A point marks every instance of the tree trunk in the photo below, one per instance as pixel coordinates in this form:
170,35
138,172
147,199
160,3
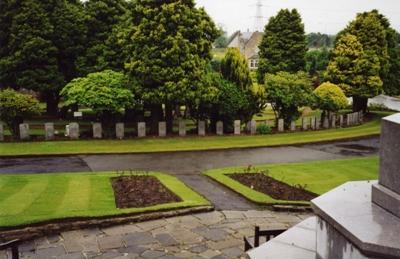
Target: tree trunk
52,100
169,117
360,104
156,115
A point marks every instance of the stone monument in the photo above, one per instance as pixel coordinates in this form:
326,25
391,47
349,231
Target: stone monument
141,129
49,131
201,128
304,123
333,121
1,132
162,129
182,128
358,220
74,130
97,131
237,130
220,128
293,126
281,125
120,130
326,123
24,131
252,127
312,123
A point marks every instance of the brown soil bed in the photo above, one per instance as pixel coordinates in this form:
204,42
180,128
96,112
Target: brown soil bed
276,189
141,191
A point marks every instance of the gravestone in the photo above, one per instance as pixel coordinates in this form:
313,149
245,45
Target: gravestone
237,130
312,123
120,130
97,131
304,123
162,129
182,128
333,123
348,120
142,129
293,126
356,118
361,116
253,127
317,123
74,130
281,125
49,131
202,128
326,123
1,132
24,131
341,121
220,128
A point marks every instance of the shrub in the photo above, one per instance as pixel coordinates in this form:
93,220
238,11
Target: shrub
15,107
264,129
330,97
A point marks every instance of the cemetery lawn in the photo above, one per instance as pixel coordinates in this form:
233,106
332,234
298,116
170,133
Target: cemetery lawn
318,177
27,199
190,143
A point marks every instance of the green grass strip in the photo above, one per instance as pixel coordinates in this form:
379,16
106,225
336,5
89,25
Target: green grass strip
27,199
188,143
318,177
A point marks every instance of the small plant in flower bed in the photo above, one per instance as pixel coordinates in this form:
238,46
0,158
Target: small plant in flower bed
261,181
264,129
136,189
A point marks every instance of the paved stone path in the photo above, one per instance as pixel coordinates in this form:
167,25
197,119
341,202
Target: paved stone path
207,235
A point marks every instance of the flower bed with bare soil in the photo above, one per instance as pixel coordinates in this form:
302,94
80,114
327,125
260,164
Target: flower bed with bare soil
141,191
275,189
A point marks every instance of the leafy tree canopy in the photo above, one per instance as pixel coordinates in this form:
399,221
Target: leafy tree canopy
284,45
288,92
15,107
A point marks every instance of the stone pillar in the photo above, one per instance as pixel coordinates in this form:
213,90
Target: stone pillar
341,120
120,130
220,128
97,130
162,129
387,192
253,127
201,128
348,120
49,131
237,125
24,131
281,125
326,123
293,126
1,132
333,121
304,123
182,128
74,130
317,123
142,129
312,123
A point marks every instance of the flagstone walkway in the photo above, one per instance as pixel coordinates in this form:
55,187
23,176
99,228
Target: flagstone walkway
217,234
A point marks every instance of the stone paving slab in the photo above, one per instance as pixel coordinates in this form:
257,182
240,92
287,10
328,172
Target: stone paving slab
217,234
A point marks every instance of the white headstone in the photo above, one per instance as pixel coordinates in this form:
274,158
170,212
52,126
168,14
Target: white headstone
49,131
237,130
97,131
201,128
304,123
24,131
162,129
142,129
253,127
74,130
317,123
281,125
120,130
326,122
182,128
341,120
293,126
333,121
220,128
312,123
1,132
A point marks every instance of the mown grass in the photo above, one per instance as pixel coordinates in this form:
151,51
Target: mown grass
188,143
27,199
318,177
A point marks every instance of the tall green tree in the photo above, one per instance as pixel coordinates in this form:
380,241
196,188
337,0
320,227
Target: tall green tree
102,17
171,44
284,45
356,71
40,42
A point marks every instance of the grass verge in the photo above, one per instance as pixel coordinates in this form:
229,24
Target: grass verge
187,144
318,177
28,199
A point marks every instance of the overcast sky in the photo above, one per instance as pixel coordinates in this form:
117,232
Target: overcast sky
326,16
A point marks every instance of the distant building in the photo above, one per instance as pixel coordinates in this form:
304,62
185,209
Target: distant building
247,43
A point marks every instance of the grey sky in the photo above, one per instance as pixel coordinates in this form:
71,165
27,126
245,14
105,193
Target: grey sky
318,15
